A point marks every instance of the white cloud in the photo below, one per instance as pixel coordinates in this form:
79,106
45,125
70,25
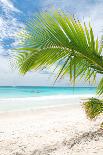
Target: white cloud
9,27
8,6
8,24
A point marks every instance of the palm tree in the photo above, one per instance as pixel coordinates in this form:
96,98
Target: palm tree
54,37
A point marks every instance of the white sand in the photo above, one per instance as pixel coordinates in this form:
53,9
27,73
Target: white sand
59,130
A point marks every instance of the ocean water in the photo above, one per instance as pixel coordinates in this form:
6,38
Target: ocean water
27,98
32,91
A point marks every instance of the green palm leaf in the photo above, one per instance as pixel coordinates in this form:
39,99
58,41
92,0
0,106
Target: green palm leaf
50,38
100,87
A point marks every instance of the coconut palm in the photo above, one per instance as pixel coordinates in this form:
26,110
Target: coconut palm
56,38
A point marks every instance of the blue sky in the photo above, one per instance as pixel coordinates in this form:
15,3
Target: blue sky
14,14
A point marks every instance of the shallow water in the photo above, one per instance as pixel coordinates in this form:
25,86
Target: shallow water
32,91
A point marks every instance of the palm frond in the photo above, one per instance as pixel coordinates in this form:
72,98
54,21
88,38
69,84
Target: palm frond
52,37
100,87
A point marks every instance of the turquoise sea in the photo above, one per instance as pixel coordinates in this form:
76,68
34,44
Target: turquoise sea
32,91
21,98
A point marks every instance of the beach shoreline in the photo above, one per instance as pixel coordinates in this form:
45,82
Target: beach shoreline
29,103
55,130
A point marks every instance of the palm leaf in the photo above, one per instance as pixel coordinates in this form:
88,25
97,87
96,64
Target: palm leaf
50,38
100,87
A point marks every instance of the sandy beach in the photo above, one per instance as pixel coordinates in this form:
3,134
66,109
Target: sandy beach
51,130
